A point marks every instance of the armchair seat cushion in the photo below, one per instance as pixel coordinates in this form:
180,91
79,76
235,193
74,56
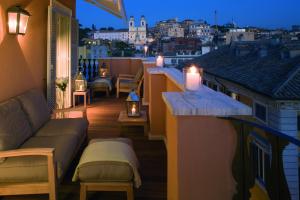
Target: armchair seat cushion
34,168
128,84
71,126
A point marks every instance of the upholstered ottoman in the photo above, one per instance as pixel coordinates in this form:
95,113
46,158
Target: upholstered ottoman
108,165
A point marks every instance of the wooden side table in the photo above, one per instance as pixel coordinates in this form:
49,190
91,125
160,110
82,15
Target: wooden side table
124,120
85,94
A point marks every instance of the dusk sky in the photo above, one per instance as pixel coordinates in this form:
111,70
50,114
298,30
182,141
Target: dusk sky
261,13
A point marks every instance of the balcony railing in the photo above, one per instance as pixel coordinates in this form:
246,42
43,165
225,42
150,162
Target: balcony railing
89,68
264,160
212,152
116,66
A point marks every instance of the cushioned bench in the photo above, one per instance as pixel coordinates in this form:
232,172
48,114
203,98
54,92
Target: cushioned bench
35,150
108,165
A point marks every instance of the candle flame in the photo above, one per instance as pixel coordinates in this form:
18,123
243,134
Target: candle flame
193,69
133,109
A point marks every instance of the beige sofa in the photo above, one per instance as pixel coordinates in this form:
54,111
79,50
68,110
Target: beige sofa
35,150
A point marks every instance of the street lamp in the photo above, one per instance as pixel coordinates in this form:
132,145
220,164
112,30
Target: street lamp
146,50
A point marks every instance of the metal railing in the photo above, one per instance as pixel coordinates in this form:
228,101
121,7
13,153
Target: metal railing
89,68
264,159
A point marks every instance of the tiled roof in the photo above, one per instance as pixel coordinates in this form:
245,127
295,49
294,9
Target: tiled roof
243,64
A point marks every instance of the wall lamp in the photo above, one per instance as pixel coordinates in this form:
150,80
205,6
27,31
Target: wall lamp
17,20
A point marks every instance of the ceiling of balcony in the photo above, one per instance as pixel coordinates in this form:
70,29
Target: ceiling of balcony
115,7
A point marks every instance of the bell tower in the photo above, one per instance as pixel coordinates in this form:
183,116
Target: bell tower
131,30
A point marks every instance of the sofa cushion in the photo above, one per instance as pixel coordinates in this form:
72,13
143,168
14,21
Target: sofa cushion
34,168
72,126
14,125
36,108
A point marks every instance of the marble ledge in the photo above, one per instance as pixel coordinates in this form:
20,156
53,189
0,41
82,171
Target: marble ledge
173,74
205,102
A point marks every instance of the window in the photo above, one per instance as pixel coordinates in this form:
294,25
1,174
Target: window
260,153
260,112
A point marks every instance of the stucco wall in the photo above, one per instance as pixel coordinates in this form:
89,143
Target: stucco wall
23,59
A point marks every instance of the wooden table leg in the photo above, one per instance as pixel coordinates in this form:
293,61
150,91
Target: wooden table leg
146,129
85,97
74,100
130,193
82,192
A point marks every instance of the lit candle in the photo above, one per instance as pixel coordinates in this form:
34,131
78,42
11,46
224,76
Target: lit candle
81,87
160,61
133,109
193,79
103,73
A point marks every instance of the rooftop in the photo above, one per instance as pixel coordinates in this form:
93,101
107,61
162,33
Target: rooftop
245,64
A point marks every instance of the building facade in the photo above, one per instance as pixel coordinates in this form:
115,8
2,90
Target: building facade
264,76
137,35
176,31
120,35
239,35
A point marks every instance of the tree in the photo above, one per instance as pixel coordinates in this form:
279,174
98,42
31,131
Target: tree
83,33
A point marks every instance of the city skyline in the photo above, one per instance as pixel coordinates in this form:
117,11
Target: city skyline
280,14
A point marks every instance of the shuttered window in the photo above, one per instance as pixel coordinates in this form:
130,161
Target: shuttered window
260,112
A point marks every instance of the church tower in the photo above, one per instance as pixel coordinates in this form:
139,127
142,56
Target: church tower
131,30
143,30
137,34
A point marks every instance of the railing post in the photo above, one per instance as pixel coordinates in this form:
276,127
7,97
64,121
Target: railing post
89,70
79,65
94,69
84,67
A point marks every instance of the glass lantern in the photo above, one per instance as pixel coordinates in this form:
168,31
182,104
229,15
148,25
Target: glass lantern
80,83
103,71
17,20
192,77
133,105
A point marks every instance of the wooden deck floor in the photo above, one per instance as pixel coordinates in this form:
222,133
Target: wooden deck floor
103,114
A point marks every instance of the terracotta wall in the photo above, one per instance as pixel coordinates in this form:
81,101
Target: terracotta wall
200,154
147,65
23,59
123,65
159,83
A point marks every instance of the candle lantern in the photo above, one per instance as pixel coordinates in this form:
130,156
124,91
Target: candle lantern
103,71
17,20
192,76
80,83
133,105
160,61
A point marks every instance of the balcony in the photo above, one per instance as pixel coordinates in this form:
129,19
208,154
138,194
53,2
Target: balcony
206,147
202,146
